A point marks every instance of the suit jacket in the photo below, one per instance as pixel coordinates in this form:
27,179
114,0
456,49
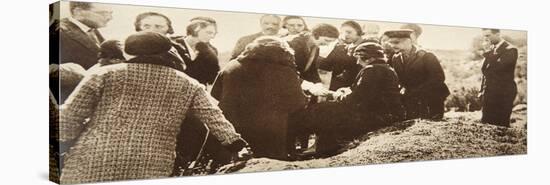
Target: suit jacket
242,42
499,67
421,75
75,46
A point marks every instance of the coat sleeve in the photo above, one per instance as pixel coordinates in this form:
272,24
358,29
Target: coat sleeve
217,87
507,60
79,106
435,77
206,112
239,48
366,90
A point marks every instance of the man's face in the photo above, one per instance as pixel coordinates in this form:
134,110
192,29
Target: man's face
270,25
384,41
349,35
207,34
96,17
400,44
323,41
493,38
154,24
295,26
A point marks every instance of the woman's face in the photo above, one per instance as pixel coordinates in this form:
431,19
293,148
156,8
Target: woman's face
206,34
154,24
295,26
349,35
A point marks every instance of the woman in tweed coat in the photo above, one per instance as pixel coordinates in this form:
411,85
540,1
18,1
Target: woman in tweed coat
125,118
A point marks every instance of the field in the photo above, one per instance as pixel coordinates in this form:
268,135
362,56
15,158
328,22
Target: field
460,135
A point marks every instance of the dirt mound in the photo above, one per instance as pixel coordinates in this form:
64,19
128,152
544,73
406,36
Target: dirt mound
460,135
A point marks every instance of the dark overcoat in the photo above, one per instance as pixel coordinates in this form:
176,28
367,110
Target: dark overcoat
258,95
499,88
423,78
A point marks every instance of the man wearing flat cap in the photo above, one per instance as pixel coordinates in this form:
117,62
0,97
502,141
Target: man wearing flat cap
420,75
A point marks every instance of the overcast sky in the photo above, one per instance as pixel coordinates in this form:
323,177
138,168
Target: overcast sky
233,25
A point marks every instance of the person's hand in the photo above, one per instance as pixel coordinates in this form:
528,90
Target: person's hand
344,90
315,89
319,90
245,154
402,91
341,93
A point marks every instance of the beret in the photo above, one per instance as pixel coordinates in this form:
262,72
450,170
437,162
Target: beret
147,43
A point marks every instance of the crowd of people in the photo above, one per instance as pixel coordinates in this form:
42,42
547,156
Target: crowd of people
140,108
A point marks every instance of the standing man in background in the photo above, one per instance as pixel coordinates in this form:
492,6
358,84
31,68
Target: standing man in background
498,87
79,37
270,24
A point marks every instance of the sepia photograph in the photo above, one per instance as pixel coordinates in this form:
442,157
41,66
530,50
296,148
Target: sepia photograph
148,92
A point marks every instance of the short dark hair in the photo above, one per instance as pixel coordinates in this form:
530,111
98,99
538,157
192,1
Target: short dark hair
294,17
356,26
493,30
192,29
325,30
202,18
81,5
142,16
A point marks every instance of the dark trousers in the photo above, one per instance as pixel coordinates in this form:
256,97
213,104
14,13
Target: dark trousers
497,106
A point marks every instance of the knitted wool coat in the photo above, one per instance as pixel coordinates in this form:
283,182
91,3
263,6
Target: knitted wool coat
125,119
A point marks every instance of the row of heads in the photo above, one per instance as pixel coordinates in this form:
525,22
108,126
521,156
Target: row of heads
97,15
152,43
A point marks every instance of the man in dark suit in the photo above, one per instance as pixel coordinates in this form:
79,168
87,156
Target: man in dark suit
420,75
79,38
498,87
79,41
271,24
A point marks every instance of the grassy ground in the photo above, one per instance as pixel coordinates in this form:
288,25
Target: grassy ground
459,136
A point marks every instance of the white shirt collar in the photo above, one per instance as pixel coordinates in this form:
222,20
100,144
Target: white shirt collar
80,25
191,51
499,44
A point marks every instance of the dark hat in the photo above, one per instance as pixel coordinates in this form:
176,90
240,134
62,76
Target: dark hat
147,43
369,49
400,33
